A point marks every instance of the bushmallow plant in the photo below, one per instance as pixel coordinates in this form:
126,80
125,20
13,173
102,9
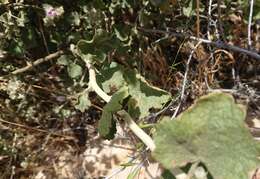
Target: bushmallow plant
52,14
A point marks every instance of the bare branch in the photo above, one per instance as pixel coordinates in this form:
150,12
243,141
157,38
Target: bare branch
185,80
215,43
38,62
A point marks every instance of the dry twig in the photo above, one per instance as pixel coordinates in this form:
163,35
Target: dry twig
36,129
185,80
215,43
198,17
38,62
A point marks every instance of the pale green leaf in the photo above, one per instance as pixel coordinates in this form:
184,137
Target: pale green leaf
144,96
74,18
188,10
74,70
99,56
213,132
89,51
83,102
64,60
111,78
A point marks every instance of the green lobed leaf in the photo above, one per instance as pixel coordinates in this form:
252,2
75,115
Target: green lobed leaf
84,47
107,125
74,18
93,51
189,9
111,78
101,36
83,102
144,96
74,70
213,132
64,60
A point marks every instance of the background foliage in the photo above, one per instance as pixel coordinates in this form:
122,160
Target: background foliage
118,38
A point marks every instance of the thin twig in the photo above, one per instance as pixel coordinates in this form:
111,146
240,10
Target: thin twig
19,5
215,43
185,81
145,138
175,99
220,24
198,17
249,41
36,129
43,36
38,62
209,19
209,38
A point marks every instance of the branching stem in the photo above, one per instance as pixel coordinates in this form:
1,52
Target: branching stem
145,138
218,44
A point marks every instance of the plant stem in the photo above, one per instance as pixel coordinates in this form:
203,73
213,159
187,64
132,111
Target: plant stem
249,41
145,138
38,62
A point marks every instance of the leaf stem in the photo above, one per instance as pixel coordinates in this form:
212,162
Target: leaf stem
93,83
249,41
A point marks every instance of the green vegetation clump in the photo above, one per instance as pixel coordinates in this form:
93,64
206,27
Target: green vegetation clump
74,70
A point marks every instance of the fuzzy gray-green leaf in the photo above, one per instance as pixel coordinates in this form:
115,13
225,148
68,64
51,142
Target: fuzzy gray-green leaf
212,132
